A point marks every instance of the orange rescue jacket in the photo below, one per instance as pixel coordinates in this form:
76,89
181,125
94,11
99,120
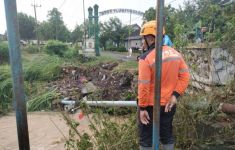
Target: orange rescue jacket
175,76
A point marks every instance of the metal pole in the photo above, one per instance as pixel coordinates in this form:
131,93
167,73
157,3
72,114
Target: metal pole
16,69
112,103
35,15
129,32
158,71
84,17
96,19
121,103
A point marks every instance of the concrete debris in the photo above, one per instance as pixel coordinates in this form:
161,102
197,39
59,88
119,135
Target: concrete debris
201,86
210,67
222,66
89,88
109,66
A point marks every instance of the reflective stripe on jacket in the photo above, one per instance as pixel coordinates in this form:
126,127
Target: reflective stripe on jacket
175,76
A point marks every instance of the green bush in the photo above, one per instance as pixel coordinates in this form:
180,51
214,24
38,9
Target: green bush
71,53
107,132
44,69
118,49
54,47
121,49
42,101
4,53
31,49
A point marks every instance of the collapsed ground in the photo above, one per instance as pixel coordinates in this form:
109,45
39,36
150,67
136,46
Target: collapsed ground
100,79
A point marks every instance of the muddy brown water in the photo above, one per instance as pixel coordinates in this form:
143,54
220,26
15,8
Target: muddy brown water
46,131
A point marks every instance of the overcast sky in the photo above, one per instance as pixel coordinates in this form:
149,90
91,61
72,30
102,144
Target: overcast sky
72,10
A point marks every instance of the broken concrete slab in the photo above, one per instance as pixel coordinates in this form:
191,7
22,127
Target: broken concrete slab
222,67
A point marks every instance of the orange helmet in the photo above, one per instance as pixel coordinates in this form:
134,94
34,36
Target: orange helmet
149,28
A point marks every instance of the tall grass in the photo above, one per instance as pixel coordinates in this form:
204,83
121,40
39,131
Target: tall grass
107,132
97,60
127,65
42,101
43,69
199,124
40,70
4,53
5,88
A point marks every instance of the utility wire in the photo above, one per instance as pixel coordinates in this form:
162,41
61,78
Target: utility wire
171,2
62,4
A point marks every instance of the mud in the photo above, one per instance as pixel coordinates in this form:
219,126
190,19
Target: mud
47,131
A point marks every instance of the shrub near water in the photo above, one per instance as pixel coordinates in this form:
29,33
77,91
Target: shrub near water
4,53
71,53
43,69
54,47
43,101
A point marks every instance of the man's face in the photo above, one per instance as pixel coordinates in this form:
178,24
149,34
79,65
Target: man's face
144,45
150,39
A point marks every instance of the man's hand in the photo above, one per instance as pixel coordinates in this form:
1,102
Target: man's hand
144,117
170,104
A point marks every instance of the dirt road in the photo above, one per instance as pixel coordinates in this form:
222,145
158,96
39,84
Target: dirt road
43,134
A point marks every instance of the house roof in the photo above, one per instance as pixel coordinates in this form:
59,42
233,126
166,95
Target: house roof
135,34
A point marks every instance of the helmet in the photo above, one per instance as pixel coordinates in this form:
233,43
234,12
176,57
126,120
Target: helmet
150,28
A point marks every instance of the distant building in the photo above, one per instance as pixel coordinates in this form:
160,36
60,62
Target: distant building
134,40
3,37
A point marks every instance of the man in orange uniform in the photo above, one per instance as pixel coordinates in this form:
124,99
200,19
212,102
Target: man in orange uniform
175,79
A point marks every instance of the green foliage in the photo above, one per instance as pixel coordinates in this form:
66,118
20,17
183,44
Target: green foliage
217,18
198,123
107,133
31,49
114,31
118,49
43,69
150,14
77,34
73,143
5,88
71,53
42,101
181,40
230,26
127,65
6,92
4,53
54,47
27,26
54,27
91,62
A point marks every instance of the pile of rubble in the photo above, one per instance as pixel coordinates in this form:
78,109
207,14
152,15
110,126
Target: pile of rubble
100,81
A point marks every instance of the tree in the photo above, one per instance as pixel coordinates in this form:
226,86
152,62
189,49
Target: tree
150,14
27,26
217,18
54,28
114,31
169,18
104,36
77,34
45,31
